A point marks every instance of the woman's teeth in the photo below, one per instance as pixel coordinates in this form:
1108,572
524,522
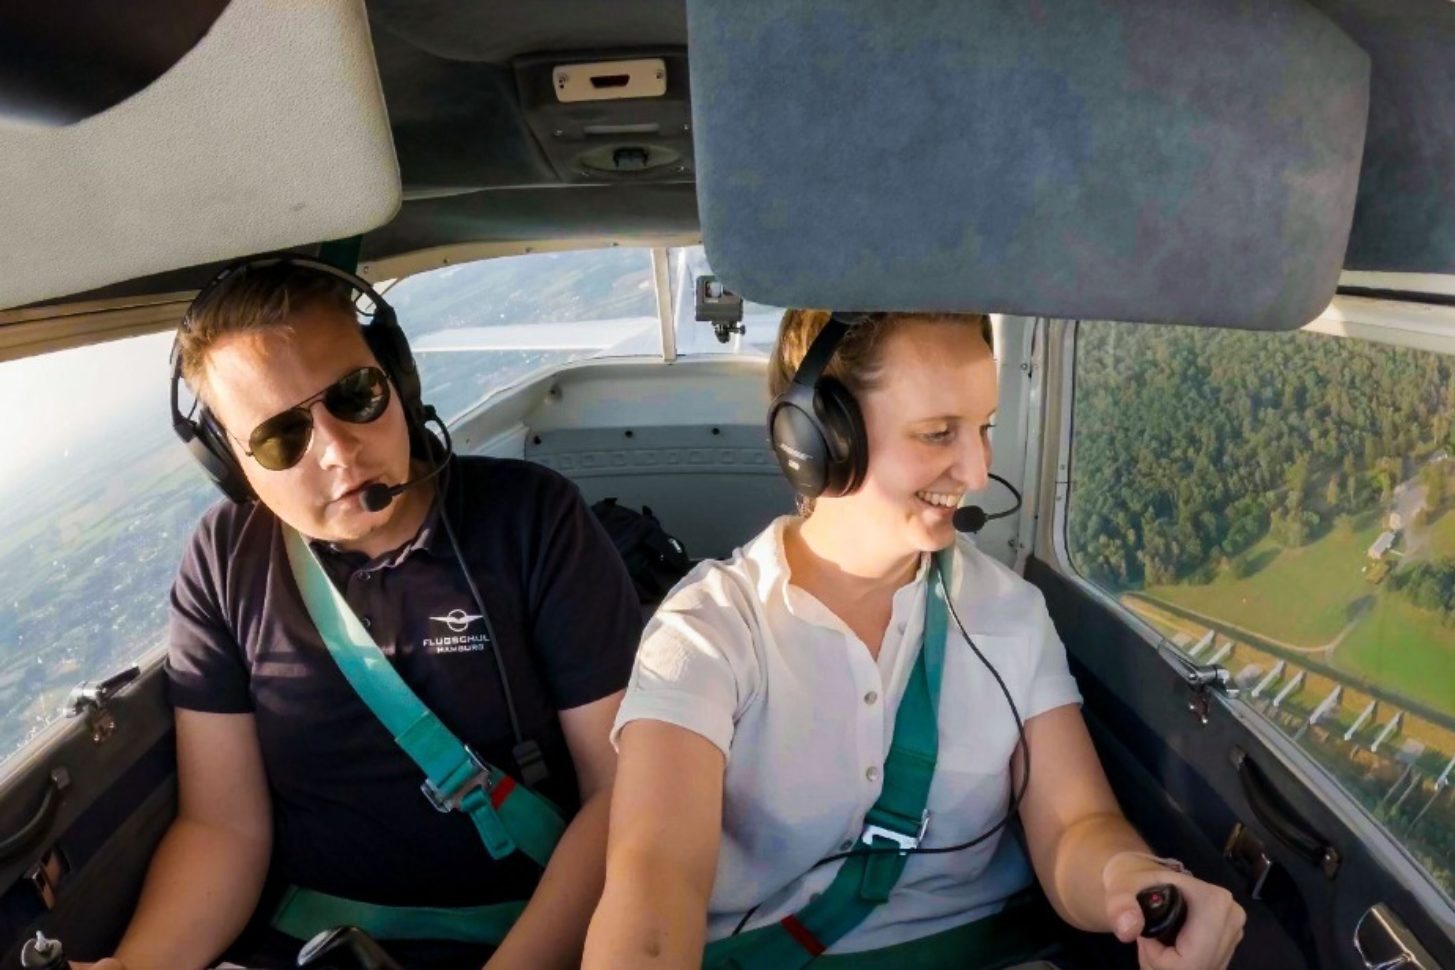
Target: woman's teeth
942,499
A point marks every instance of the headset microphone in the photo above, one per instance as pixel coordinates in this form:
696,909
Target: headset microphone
972,518
376,497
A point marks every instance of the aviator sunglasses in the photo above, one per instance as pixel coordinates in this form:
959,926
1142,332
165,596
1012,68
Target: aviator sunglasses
358,397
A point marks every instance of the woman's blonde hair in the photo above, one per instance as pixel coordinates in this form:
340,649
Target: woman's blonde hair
858,361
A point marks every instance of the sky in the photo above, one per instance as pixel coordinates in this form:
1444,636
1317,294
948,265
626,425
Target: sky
69,399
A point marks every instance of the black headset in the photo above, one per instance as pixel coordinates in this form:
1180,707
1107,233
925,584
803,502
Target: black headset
204,436
816,426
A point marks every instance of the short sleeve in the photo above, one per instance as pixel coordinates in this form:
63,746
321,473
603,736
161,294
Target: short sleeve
206,669
1051,683
690,668
585,613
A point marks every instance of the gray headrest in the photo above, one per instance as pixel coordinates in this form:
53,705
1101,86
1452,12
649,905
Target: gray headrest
1190,162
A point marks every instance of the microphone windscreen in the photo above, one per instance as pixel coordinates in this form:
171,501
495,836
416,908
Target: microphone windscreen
376,497
969,518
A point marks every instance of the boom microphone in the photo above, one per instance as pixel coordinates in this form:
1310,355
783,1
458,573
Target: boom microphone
972,518
376,497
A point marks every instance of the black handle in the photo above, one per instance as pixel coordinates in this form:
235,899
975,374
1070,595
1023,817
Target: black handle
1163,913
39,824
1279,818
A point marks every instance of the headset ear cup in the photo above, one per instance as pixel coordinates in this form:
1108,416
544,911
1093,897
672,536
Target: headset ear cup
209,446
391,350
847,441
798,443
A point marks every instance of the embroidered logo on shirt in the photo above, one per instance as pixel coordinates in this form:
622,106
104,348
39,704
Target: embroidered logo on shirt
458,621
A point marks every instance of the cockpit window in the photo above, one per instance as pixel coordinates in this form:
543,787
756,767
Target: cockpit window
478,327
97,499
1283,505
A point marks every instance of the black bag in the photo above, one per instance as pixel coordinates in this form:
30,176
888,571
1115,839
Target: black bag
655,560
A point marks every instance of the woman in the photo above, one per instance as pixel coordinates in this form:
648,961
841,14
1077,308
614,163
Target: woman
759,805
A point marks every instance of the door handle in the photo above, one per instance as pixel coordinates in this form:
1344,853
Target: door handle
36,827
1280,818
1385,943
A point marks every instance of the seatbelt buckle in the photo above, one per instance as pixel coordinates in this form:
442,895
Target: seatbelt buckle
445,803
905,842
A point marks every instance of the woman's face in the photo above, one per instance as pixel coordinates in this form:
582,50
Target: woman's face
928,424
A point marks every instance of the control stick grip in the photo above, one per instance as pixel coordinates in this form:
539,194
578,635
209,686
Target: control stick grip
1163,913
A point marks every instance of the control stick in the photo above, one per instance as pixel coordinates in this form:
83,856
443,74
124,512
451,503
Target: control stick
1163,913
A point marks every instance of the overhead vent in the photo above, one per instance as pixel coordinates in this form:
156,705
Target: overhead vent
271,132
619,119
1192,162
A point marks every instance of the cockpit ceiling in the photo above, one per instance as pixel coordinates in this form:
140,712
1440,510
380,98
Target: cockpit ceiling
479,161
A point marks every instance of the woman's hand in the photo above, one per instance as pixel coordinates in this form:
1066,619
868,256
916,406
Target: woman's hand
1214,920
109,963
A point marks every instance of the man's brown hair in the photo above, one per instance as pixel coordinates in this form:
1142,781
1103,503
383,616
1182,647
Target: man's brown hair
253,298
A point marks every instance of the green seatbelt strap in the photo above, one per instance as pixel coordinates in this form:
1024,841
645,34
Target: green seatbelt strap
899,818
507,816
306,912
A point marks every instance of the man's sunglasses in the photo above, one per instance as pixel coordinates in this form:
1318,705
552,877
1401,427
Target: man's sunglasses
281,441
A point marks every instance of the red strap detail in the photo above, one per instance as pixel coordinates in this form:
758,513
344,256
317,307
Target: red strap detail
502,791
802,936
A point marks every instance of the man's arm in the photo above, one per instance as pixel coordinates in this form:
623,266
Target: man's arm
666,827
208,871
551,931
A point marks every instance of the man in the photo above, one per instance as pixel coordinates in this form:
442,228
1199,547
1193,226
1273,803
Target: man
289,781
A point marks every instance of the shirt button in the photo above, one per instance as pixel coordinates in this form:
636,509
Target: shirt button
871,697
368,623
872,773
901,626
846,845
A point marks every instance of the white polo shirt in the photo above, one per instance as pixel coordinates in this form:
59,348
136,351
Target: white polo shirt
805,716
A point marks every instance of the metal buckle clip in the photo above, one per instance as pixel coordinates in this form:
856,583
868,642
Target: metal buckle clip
905,842
444,803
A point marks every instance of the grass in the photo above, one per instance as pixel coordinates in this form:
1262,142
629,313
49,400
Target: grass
1301,596
1405,649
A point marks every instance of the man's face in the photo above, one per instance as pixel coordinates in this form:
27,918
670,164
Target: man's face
251,377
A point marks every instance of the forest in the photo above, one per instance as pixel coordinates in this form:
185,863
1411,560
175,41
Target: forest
1191,445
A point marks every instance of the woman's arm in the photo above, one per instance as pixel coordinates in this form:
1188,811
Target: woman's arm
552,930
666,826
1091,863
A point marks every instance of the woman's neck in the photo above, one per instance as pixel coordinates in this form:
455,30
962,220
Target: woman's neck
824,551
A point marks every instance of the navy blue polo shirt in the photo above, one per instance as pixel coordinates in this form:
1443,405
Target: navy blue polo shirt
349,818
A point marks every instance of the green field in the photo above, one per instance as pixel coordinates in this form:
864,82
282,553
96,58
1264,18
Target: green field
1306,596
1301,596
1405,649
